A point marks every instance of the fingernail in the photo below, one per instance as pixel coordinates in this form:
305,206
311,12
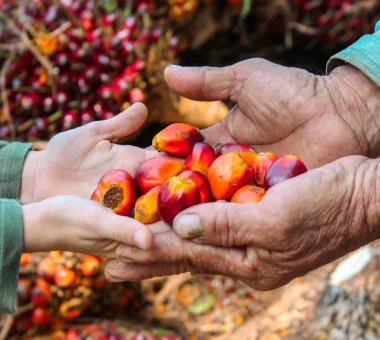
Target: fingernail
175,67
188,226
140,239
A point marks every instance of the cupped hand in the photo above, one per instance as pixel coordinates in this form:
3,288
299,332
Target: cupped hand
288,110
74,161
301,224
74,224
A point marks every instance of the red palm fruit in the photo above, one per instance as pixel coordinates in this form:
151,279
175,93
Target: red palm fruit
73,334
126,48
40,294
24,289
286,167
136,95
62,59
48,104
91,74
105,92
62,98
47,269
95,37
40,316
87,19
98,109
109,20
146,207
248,194
228,173
130,24
30,100
107,115
64,277
176,195
138,66
69,120
200,158
245,151
177,139
86,116
232,147
116,191
155,172
263,162
102,60
90,266
201,183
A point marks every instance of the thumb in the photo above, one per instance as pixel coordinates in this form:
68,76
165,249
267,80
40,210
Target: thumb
124,124
221,224
201,83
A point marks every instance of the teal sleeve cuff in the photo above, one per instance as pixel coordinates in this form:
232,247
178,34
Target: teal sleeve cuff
11,240
12,158
363,54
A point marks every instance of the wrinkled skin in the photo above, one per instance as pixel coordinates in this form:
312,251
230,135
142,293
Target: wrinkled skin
302,223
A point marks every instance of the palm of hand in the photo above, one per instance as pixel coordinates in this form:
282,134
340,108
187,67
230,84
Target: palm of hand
73,162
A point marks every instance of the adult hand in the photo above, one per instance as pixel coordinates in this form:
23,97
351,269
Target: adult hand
80,225
301,224
74,161
288,110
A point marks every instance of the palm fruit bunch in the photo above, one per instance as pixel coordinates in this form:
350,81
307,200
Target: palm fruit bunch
334,23
69,62
58,287
111,330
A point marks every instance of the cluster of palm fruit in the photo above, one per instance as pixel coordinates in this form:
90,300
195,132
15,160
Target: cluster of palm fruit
75,61
335,22
58,287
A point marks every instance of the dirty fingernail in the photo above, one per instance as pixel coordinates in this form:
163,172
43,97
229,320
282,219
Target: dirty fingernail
188,226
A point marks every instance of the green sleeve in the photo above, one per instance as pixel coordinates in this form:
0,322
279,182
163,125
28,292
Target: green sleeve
12,156
10,252
363,54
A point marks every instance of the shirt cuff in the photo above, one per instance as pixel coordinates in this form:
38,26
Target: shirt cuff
12,158
364,54
11,241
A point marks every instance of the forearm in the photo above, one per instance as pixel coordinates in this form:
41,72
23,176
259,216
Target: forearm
357,100
28,178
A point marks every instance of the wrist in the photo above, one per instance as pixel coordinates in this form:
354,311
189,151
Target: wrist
357,100
38,229
28,177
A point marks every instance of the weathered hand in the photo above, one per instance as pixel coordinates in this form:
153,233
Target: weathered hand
79,225
74,161
288,110
301,224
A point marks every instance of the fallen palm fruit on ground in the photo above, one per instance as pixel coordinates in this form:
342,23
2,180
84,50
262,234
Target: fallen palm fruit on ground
57,288
167,186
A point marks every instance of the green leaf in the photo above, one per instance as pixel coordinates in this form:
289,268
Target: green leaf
162,331
202,305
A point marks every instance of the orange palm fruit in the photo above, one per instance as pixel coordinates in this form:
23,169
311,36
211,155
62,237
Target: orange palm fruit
90,266
40,294
116,191
64,277
201,183
47,269
248,194
146,207
286,167
177,139
155,172
176,195
263,161
200,158
228,173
